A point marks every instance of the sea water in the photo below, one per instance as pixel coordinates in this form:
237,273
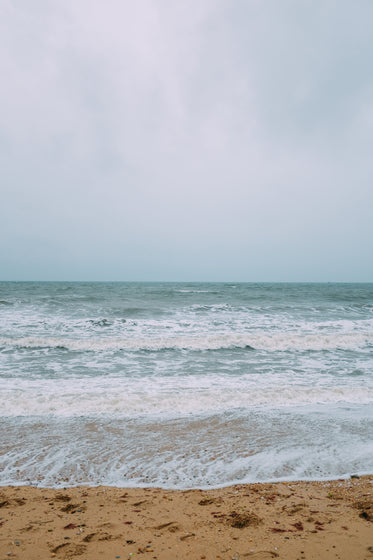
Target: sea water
184,385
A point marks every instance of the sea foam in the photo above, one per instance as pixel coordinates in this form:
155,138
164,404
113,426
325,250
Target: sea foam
276,342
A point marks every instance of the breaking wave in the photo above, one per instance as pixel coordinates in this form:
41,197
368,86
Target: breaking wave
276,342
117,397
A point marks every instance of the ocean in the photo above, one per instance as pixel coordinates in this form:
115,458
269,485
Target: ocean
184,385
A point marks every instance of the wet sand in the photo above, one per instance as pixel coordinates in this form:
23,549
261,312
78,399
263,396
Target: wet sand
295,520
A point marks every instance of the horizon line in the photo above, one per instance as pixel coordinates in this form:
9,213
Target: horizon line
193,281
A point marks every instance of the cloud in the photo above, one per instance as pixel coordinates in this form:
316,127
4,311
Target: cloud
170,140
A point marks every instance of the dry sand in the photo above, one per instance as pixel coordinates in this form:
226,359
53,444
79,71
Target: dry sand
297,520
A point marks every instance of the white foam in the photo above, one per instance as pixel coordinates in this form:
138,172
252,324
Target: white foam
276,342
184,453
168,396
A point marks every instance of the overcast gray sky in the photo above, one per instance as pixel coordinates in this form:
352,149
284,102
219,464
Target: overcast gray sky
186,140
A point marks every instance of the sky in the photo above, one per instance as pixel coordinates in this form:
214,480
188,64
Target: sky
191,140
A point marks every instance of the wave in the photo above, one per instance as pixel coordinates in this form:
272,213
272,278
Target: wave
196,291
263,342
101,322
116,397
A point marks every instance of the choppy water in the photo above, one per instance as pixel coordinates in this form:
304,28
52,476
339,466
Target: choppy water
184,385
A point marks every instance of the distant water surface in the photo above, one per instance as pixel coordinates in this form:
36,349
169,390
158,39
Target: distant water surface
184,384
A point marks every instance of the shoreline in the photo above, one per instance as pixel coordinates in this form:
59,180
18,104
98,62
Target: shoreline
292,520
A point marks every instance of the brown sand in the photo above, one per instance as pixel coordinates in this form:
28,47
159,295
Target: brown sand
297,520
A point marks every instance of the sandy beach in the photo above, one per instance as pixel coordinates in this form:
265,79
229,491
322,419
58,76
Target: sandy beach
291,520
